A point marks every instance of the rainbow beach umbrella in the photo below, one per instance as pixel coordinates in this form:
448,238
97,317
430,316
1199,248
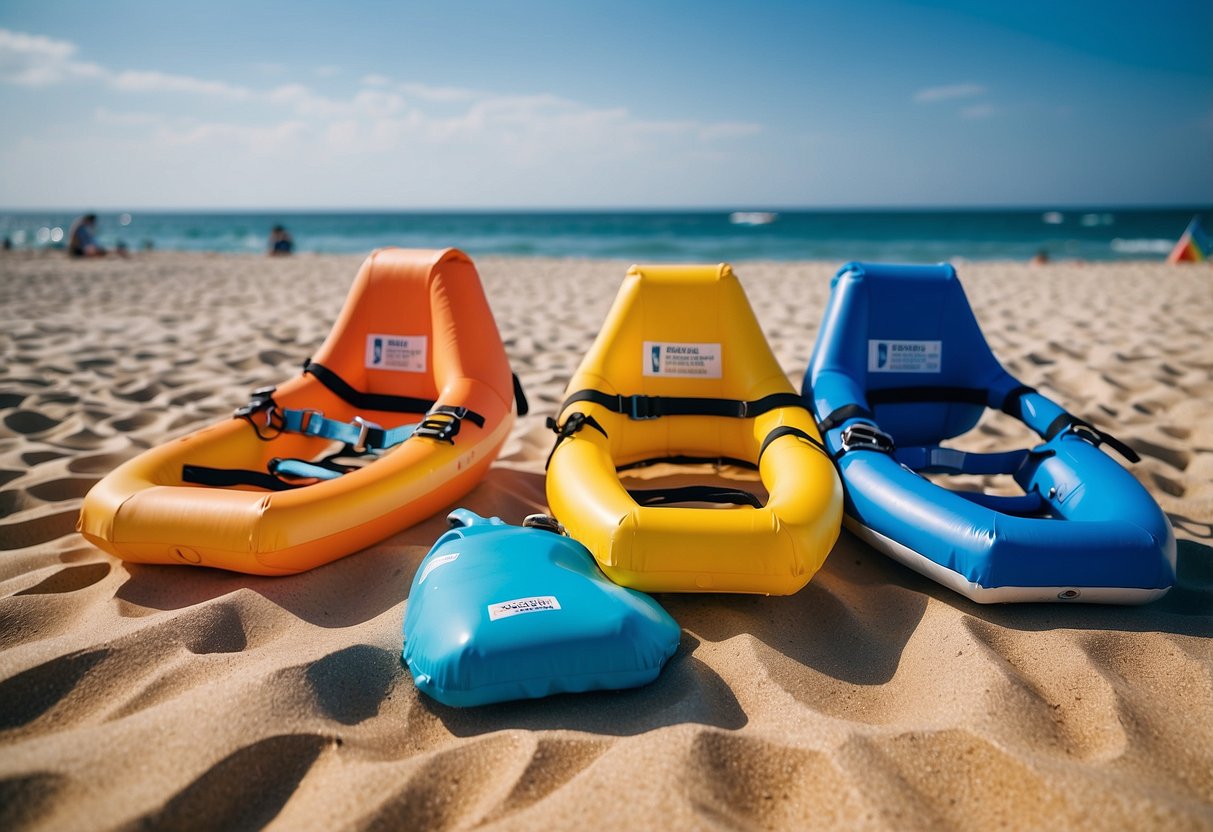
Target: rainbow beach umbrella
1194,246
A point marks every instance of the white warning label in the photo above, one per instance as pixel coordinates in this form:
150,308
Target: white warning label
663,358
540,603
904,356
396,352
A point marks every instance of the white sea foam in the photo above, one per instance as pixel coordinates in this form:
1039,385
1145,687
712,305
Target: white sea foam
1145,246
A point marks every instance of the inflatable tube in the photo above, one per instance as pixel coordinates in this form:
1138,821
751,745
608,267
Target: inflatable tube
414,362
682,371
900,365
498,612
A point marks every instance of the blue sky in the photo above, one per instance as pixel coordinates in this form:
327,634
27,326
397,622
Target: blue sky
624,104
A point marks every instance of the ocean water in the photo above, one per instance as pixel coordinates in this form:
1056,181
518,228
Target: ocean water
654,236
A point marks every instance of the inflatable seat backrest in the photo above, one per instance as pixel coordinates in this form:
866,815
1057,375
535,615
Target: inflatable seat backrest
416,326
681,331
888,328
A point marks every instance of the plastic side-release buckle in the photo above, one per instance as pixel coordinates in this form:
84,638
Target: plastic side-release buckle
642,407
261,401
861,436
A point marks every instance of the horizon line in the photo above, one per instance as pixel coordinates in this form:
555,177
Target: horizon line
688,209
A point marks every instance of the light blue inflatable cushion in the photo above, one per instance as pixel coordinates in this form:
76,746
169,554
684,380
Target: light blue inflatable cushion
499,612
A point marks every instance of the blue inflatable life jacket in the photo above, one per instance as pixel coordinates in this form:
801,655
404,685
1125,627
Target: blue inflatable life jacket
901,366
499,612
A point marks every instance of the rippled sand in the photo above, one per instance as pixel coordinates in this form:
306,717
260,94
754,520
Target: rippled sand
177,697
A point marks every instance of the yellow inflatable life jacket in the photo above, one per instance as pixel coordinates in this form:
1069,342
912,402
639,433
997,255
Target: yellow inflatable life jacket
681,370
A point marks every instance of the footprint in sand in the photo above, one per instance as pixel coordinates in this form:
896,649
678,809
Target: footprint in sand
130,424
350,685
35,458
274,357
42,529
14,501
189,397
137,391
24,801
246,789
1170,486
1171,456
96,464
31,693
94,363
1175,431
70,579
29,422
67,488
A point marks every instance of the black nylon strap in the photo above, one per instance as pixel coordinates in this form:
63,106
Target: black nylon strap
1068,421
840,415
1012,403
788,430
390,404
224,477
571,425
366,401
718,461
520,402
653,407
694,494
1058,425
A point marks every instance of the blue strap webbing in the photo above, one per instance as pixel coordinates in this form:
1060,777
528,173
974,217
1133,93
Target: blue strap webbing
301,468
357,434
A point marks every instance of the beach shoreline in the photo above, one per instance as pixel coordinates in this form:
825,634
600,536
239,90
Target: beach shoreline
873,698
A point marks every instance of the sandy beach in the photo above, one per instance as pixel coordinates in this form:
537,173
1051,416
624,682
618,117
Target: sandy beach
170,697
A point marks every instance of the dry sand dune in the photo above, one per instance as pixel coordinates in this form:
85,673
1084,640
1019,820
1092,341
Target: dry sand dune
136,696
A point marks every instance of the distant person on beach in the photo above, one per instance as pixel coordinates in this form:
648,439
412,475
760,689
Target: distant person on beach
1040,258
280,242
82,240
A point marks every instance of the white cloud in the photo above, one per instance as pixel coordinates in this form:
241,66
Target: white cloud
396,139
305,102
134,81
949,92
37,61
261,139
425,92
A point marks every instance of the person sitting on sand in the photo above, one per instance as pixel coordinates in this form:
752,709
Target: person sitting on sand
280,242
82,240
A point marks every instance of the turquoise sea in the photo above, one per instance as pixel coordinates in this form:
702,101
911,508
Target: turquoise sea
669,236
